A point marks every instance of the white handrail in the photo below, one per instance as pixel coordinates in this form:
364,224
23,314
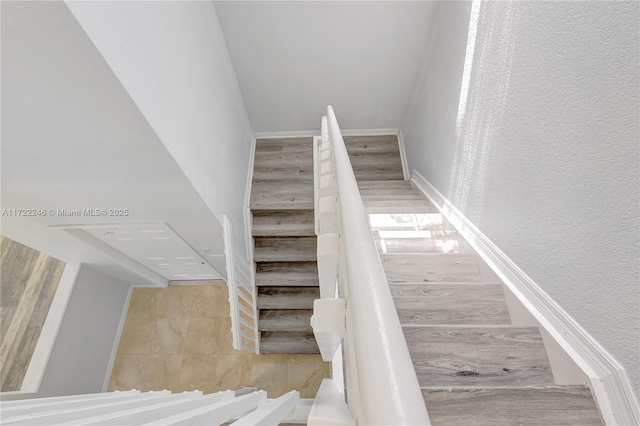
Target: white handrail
388,391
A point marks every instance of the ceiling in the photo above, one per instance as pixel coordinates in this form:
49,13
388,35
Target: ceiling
293,58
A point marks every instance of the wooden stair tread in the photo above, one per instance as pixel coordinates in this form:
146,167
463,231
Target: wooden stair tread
287,297
366,158
271,173
398,197
284,157
375,157
397,192
282,201
372,144
381,185
302,274
279,186
412,203
418,268
450,304
377,174
285,320
278,249
478,356
284,144
283,223
288,342
509,406
432,242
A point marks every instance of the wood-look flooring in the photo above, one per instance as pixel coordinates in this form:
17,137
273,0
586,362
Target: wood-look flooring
284,230
474,367
374,158
285,244
509,406
27,286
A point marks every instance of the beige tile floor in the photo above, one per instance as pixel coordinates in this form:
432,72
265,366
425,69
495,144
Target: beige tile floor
179,338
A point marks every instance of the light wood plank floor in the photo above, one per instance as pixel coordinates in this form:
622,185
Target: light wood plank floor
28,284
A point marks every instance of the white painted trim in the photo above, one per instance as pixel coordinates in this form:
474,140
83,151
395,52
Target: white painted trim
231,282
312,133
116,342
233,267
287,134
216,281
155,279
50,328
403,156
369,132
248,216
609,381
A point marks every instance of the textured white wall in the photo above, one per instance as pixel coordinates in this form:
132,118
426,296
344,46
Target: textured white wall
544,158
172,59
294,58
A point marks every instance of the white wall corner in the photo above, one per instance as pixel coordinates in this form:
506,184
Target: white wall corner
116,342
403,157
609,382
248,216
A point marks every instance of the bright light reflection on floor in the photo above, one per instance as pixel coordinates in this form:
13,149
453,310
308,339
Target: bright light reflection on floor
404,234
417,221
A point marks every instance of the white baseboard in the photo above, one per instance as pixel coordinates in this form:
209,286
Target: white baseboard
403,157
311,133
287,134
369,132
116,342
609,381
196,282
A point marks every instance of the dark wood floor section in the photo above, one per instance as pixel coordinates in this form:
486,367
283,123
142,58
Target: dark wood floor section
28,284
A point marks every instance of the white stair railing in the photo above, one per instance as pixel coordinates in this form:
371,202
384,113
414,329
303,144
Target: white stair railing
381,382
242,297
151,408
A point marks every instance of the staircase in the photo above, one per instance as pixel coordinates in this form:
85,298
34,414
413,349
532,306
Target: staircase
285,244
473,365
284,231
